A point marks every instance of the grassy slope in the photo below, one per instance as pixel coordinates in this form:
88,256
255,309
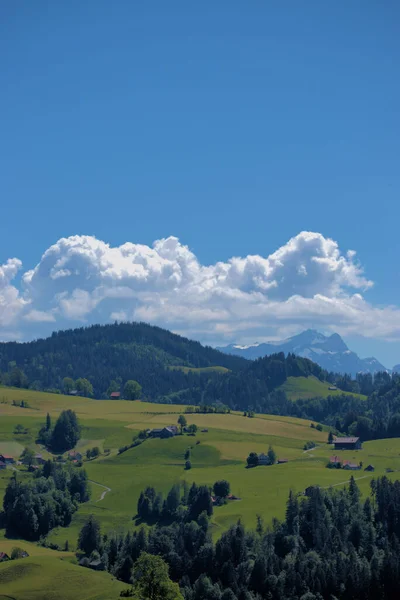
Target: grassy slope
221,454
310,387
49,578
200,369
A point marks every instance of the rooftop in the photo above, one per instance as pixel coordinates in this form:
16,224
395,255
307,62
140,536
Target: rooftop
334,459
349,463
346,440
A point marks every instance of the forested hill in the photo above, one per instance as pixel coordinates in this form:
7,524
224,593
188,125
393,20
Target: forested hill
110,355
117,352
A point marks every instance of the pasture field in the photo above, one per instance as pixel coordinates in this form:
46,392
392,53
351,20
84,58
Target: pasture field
32,549
200,369
50,578
219,453
301,388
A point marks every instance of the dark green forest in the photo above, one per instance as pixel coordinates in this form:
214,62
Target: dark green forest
32,509
101,359
332,545
105,354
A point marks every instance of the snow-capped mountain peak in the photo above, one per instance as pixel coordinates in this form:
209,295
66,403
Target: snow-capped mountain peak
330,352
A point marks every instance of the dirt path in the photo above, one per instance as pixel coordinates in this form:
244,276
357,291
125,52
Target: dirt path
347,481
310,450
106,489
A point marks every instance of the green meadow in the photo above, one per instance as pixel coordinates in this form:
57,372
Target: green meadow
199,369
301,388
55,578
218,453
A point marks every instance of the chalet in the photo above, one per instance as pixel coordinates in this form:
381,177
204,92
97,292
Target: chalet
4,557
282,461
39,459
97,565
6,458
369,468
2,465
347,443
165,432
74,455
156,432
73,393
170,431
263,459
332,388
350,466
115,395
204,431
335,460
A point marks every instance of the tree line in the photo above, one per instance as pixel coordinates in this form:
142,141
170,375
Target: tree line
95,361
32,509
332,545
377,417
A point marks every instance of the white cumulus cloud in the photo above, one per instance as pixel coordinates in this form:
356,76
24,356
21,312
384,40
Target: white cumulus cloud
11,303
306,282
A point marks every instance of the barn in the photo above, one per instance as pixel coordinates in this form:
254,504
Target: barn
347,443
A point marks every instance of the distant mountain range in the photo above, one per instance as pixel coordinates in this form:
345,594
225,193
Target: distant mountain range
330,352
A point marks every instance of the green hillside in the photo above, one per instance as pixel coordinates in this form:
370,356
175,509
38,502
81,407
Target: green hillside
99,360
215,369
219,453
51,578
310,387
106,354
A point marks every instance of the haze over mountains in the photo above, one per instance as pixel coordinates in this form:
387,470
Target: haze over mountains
330,352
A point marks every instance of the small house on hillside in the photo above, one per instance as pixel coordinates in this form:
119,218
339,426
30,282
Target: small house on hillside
335,460
263,459
115,395
332,388
165,432
156,432
350,466
39,459
73,393
97,565
347,443
74,455
2,465
169,431
6,458
4,557
282,461
369,468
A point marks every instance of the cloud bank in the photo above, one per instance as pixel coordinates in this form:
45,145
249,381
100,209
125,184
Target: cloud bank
308,282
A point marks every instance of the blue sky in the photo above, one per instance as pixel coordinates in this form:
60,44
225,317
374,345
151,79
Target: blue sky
232,126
